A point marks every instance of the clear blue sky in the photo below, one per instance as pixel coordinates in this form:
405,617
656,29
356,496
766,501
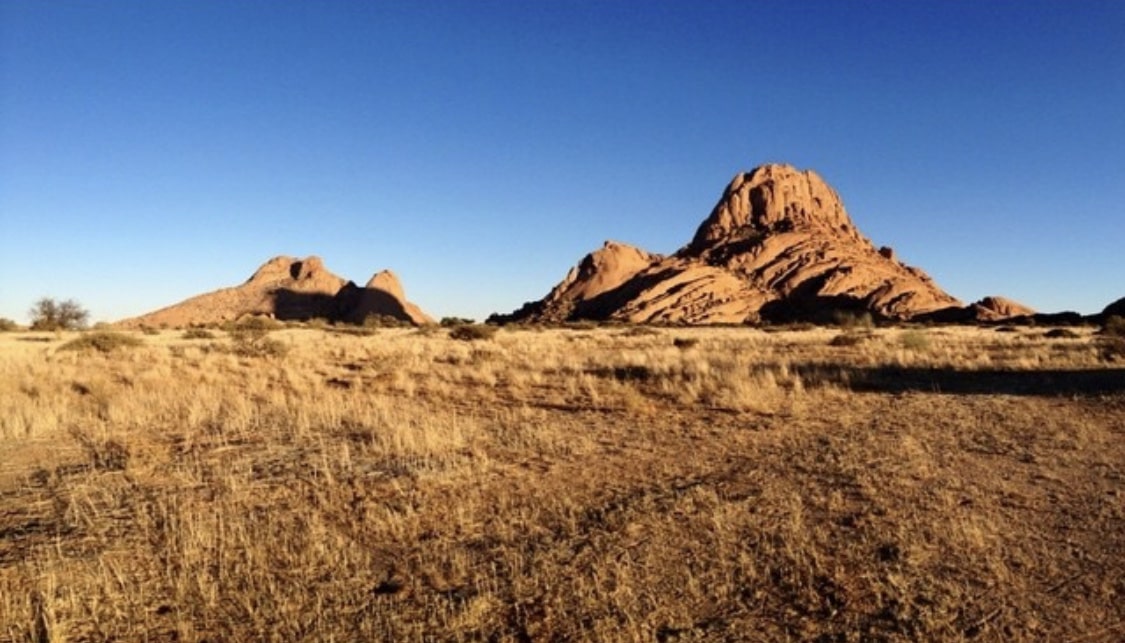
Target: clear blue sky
153,150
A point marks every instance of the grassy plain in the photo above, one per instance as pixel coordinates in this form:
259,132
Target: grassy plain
611,484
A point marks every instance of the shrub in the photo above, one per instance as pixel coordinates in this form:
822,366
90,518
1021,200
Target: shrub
472,333
250,338
198,333
7,325
685,342
456,321
149,330
245,346
915,340
1061,333
850,338
49,314
852,319
101,341
255,323
384,321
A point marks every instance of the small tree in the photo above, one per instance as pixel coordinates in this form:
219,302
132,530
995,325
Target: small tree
49,314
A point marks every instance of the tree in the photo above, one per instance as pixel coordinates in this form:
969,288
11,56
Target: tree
49,314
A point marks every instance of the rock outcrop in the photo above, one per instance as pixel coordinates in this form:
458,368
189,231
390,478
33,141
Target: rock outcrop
287,288
778,246
991,309
383,296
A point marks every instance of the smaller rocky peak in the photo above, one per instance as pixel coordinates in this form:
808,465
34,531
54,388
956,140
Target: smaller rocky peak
283,268
999,308
388,282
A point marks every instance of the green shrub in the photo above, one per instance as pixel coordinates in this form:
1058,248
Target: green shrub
101,341
472,333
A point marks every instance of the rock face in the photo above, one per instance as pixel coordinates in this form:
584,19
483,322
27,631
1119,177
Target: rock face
998,309
291,289
778,246
383,296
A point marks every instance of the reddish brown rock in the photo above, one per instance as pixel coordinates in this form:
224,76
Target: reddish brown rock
383,296
778,245
992,309
287,288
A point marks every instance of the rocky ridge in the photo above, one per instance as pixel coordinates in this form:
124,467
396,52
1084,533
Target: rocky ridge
288,288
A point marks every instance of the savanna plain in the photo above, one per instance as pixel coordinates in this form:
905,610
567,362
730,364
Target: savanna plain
562,484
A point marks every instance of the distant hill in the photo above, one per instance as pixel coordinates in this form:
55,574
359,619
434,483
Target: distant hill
287,288
778,246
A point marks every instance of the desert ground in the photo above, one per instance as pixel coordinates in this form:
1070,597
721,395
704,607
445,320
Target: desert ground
563,484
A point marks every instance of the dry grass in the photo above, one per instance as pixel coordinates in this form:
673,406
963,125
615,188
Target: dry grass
578,484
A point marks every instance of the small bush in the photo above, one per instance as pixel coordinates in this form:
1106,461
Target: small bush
449,322
914,340
1061,333
258,346
852,319
384,321
255,323
475,332
850,338
355,331
7,325
149,330
101,341
685,342
198,333
790,326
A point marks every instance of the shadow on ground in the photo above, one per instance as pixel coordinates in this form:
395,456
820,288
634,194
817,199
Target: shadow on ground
904,379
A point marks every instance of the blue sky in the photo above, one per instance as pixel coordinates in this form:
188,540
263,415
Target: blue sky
153,150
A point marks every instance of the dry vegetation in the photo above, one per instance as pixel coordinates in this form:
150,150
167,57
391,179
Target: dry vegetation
570,484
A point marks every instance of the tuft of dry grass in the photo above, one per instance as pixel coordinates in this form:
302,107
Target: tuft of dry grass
566,484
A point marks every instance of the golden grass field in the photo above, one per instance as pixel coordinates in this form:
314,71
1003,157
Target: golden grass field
605,484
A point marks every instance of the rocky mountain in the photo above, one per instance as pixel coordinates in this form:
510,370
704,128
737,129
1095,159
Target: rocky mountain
291,289
778,246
